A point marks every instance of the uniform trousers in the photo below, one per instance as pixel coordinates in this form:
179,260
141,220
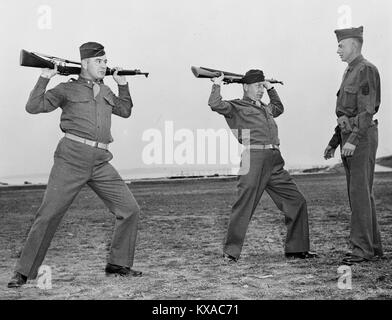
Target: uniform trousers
75,165
365,237
265,171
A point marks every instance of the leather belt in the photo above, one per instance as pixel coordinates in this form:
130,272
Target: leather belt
346,124
263,147
92,143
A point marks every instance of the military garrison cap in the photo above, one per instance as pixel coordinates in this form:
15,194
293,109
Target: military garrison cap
91,50
342,34
253,76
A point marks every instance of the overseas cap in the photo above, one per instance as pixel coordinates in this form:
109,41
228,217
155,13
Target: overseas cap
91,50
342,34
253,76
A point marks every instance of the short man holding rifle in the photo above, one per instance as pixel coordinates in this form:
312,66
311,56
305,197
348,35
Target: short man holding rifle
265,166
82,157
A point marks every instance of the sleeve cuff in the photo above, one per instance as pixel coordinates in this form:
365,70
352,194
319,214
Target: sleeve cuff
123,90
272,92
43,82
333,143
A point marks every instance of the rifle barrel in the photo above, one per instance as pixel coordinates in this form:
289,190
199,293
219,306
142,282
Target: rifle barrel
135,72
236,80
66,71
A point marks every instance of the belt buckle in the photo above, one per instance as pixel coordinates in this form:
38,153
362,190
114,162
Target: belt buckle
95,145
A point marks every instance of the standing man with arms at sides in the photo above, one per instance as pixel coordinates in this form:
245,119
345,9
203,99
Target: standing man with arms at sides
358,100
265,166
82,157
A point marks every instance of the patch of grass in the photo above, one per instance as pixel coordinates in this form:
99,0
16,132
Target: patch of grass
182,227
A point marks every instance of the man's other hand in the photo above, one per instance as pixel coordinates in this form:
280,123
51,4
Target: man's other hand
267,85
329,152
121,80
218,81
49,73
348,150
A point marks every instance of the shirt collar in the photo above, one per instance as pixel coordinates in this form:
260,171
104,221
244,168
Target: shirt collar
249,100
89,81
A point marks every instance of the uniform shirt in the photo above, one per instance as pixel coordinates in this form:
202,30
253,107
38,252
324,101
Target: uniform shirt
82,114
358,98
244,114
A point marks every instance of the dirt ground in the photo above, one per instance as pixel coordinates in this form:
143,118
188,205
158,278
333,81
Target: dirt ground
181,231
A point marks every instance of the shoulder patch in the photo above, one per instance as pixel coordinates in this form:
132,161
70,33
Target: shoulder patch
365,89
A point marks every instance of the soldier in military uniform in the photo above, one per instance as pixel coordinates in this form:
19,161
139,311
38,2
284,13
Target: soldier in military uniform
82,157
358,100
264,166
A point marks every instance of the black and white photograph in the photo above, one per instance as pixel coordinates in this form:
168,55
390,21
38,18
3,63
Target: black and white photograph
218,150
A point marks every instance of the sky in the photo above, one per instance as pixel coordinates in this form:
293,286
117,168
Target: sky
291,40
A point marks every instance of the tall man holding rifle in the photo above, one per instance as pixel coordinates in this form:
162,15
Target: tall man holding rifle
264,164
82,157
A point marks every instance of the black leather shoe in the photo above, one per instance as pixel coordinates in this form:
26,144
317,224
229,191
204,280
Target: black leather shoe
301,255
17,280
350,260
229,258
121,271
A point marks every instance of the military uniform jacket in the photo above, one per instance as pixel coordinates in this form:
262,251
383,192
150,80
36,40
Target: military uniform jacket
82,114
244,114
358,98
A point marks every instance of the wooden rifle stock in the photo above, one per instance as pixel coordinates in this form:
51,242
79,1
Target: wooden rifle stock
229,77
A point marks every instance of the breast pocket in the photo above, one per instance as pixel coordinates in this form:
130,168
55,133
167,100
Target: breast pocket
79,102
76,99
249,111
79,106
79,95
350,97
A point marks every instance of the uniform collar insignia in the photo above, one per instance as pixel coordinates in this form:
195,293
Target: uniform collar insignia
89,81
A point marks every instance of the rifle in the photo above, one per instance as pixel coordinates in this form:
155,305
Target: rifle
39,60
229,77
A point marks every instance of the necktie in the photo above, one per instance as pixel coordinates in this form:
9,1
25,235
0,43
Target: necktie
96,89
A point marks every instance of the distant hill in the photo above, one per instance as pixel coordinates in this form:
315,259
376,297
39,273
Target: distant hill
337,168
385,161
382,165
